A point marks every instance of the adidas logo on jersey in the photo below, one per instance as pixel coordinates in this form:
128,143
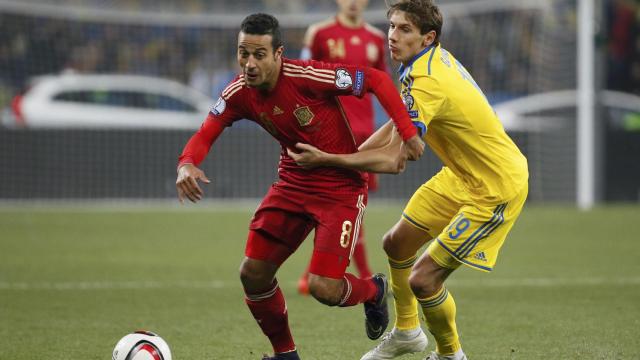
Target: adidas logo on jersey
277,110
480,256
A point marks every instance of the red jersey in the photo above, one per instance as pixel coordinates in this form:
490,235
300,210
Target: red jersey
332,41
302,107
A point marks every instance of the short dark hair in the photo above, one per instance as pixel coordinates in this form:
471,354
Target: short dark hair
422,13
263,24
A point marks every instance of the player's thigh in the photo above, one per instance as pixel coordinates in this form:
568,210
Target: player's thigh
475,235
433,204
278,227
403,240
338,224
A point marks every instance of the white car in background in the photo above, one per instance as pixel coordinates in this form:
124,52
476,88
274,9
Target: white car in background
107,101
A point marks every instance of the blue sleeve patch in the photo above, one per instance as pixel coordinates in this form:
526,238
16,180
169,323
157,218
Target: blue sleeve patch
422,129
357,87
413,114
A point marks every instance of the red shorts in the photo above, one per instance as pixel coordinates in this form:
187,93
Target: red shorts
285,218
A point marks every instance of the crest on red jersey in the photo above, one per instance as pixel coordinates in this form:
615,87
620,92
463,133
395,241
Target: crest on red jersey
304,115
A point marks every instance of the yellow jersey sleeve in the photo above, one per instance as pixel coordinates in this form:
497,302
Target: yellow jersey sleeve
426,101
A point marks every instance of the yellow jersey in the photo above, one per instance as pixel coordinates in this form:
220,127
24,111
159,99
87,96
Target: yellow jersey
457,122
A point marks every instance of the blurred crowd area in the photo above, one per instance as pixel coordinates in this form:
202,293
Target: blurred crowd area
204,57
205,6
507,52
199,56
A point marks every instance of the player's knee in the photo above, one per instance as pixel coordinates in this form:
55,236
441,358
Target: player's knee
390,244
326,291
422,284
253,275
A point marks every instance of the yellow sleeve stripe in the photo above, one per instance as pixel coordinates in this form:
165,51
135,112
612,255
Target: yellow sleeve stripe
433,51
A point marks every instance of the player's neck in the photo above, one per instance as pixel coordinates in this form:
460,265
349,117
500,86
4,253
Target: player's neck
271,83
350,22
415,56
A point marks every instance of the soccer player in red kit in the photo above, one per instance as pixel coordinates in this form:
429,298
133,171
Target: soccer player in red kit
346,38
295,101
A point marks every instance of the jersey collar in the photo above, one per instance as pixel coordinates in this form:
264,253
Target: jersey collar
345,26
424,51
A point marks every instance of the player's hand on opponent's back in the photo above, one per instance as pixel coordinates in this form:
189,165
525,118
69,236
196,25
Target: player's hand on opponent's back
309,156
187,183
414,147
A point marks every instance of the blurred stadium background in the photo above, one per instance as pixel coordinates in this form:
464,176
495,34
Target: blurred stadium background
522,53
79,267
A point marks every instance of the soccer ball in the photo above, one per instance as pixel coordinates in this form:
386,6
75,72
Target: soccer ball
141,345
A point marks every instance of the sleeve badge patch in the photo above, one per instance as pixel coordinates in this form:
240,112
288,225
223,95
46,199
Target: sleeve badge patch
408,101
219,107
343,79
357,88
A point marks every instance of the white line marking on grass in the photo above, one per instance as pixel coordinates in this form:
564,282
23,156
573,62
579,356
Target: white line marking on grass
113,285
125,205
546,282
218,284
157,205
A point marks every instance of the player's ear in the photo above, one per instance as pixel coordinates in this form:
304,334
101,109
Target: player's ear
428,38
278,53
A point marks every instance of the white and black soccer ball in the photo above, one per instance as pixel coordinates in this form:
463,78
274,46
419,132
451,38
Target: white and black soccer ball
141,345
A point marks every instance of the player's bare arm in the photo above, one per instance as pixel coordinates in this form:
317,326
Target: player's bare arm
187,183
390,157
311,157
379,138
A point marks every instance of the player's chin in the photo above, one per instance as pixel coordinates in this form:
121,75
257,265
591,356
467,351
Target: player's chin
395,56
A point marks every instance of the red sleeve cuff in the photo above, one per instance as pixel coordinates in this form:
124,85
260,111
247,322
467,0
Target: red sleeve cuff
408,132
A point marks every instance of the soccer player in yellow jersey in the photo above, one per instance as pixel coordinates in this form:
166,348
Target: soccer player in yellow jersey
467,208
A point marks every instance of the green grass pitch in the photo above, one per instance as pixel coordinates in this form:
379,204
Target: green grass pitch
75,280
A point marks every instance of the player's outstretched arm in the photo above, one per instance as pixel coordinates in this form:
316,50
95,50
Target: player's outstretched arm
389,158
379,138
187,183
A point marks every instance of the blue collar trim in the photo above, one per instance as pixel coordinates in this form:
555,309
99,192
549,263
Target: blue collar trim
424,51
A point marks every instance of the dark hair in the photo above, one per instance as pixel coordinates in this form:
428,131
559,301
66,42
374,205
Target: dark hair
263,24
422,13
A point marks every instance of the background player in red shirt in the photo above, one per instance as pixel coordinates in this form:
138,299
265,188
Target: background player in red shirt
348,39
295,101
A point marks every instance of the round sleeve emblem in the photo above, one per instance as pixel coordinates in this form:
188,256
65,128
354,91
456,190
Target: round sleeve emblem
343,79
